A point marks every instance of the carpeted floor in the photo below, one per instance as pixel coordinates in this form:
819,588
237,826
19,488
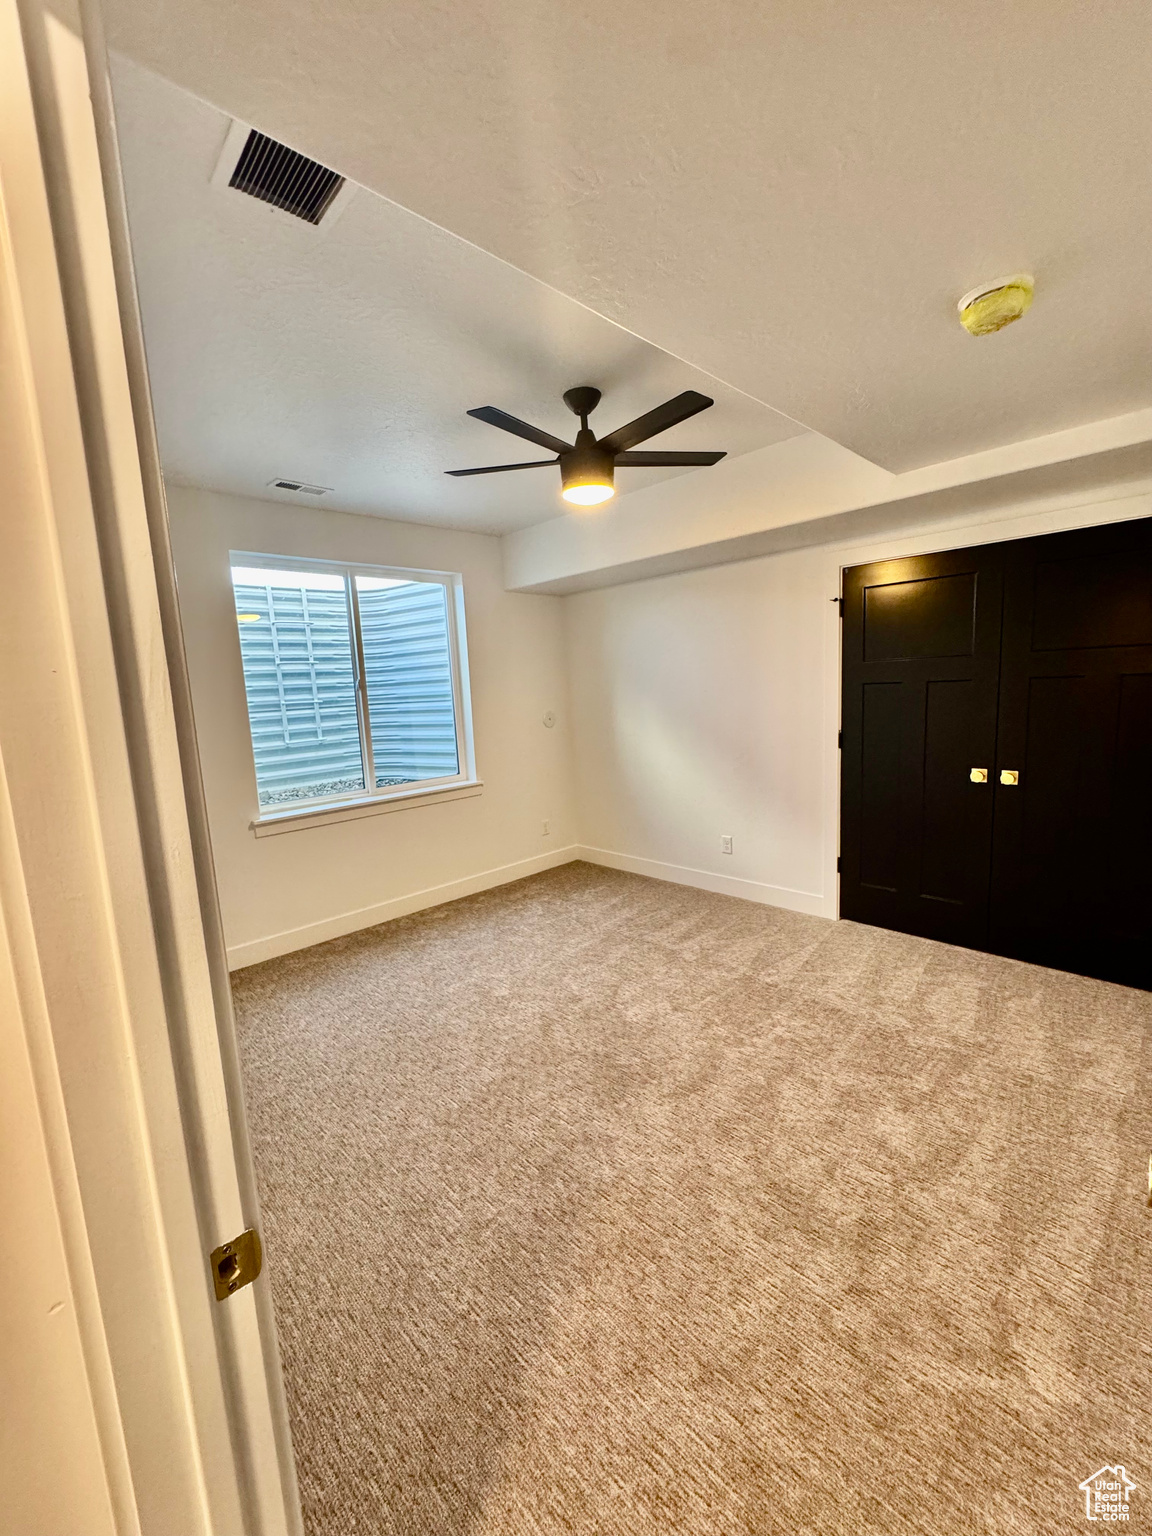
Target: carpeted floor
664,1214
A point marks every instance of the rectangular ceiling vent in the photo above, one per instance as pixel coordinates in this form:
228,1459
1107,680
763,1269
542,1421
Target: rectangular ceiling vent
300,486
288,180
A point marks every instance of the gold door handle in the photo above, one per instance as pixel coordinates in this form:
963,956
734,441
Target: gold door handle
979,775
1009,776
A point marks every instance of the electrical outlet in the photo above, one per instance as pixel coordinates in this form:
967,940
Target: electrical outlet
546,829
725,844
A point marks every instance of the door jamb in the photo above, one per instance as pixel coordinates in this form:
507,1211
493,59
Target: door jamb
156,511
63,185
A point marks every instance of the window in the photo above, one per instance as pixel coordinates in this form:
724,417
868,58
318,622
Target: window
354,680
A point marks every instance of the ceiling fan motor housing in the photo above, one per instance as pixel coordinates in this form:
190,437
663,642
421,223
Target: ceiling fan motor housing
586,463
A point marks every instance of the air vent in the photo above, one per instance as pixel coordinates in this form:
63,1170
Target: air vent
288,180
299,486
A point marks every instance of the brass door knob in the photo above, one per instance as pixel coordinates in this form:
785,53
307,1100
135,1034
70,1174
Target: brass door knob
979,775
1009,776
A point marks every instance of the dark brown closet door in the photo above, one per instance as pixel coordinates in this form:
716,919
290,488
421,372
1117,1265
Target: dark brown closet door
1072,868
921,666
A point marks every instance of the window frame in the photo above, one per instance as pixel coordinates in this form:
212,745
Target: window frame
373,796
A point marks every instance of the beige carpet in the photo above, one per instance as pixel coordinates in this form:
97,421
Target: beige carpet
659,1213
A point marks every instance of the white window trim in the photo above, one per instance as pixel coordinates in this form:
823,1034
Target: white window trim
305,813
321,814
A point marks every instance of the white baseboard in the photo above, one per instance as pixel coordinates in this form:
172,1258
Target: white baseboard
705,880
255,950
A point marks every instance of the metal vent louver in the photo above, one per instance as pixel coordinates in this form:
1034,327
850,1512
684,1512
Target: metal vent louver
288,180
301,486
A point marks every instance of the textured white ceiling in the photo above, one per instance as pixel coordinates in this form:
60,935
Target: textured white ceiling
791,196
348,357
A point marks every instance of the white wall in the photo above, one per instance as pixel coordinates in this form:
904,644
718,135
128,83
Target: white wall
300,887
707,703
697,712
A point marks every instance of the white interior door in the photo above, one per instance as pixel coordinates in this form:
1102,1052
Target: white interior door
124,1023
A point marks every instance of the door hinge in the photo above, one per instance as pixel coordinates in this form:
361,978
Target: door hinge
236,1264
839,738
837,863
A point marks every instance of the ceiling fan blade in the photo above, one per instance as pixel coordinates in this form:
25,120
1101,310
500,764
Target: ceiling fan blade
636,460
659,420
498,469
498,418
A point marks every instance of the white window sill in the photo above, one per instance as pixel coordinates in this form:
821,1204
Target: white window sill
274,822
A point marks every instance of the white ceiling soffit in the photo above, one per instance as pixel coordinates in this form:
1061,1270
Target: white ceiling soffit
791,196
349,356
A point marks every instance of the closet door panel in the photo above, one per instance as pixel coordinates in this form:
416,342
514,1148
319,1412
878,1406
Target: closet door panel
1072,837
953,811
921,670
884,712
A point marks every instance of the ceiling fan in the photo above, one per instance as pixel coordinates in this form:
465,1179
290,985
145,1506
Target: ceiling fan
588,465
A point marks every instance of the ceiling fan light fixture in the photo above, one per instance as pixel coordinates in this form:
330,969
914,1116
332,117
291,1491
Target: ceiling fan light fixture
587,473
588,495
